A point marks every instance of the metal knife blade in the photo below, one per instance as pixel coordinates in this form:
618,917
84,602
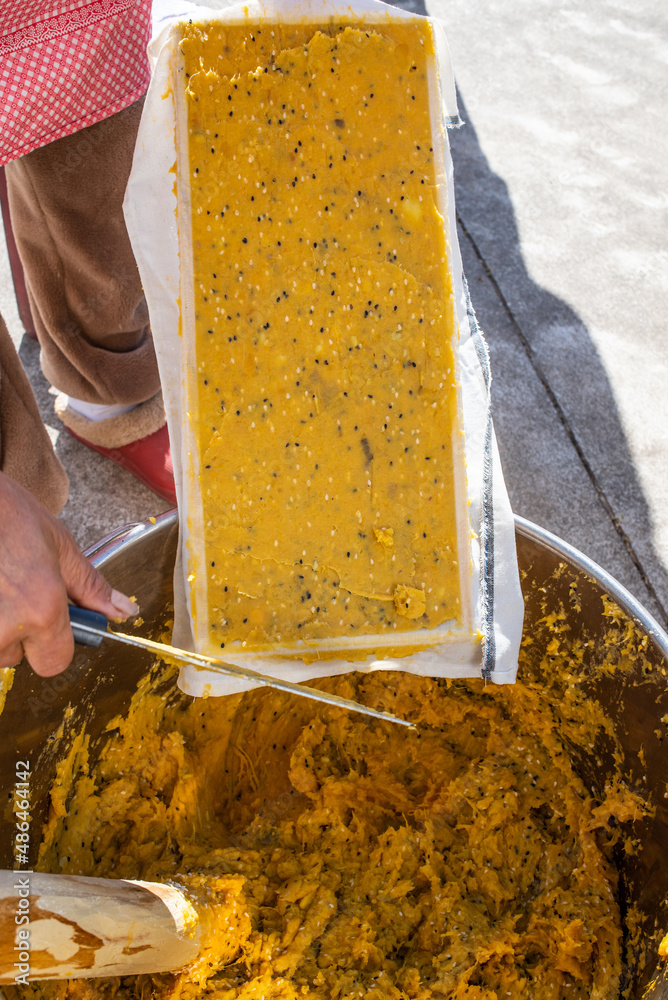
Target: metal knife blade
90,628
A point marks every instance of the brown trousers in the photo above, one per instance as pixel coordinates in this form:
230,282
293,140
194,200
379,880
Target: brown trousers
84,289
66,202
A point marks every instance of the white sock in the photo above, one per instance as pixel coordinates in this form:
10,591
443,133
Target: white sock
99,411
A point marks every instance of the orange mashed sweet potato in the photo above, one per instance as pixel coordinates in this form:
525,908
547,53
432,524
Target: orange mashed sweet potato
324,398
354,858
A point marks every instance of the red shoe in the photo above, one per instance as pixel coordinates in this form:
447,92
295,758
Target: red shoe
149,460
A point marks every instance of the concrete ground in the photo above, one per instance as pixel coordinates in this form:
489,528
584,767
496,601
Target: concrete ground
562,200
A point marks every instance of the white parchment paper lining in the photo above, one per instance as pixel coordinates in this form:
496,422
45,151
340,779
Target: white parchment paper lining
489,645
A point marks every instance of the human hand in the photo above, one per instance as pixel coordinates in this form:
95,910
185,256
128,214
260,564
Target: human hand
41,567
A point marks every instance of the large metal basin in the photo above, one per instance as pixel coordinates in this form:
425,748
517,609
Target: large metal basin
140,559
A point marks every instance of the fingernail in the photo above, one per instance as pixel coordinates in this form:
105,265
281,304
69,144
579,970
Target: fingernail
123,604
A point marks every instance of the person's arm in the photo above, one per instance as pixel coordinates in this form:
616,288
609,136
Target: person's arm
41,567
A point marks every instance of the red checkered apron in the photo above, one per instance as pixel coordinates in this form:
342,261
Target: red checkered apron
66,65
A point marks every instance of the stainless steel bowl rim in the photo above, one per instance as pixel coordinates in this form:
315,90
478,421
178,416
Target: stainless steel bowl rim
627,602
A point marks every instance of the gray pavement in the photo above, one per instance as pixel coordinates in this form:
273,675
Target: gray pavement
561,178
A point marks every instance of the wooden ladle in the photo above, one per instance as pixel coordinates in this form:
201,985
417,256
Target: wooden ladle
67,926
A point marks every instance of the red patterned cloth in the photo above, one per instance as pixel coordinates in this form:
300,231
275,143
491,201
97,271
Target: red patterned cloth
65,65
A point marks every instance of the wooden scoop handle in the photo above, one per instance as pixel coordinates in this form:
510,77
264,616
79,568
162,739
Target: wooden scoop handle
67,926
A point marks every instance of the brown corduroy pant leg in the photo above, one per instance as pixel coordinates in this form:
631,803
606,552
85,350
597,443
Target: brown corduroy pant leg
85,293
26,453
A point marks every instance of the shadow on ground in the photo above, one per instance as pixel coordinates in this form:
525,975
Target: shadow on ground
544,359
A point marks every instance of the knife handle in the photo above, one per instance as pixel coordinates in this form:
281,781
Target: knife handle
93,620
